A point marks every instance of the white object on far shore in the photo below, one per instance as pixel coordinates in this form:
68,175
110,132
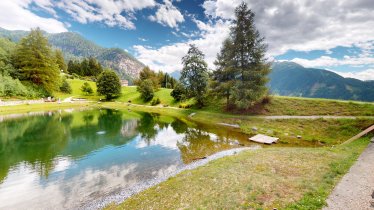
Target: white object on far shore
260,138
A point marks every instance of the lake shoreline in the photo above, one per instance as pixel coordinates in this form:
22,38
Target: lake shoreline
127,193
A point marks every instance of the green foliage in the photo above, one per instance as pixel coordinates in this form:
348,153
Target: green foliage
6,49
86,88
86,67
65,87
146,90
148,74
185,106
242,67
60,60
194,75
36,61
178,92
155,101
108,84
12,87
165,80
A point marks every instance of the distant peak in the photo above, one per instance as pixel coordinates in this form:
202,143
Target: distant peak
287,64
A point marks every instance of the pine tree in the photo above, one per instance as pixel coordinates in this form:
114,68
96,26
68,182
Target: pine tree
223,79
60,60
194,75
36,61
242,66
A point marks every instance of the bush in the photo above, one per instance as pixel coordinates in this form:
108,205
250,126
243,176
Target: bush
86,88
266,100
146,90
65,87
185,106
12,87
178,93
108,84
155,101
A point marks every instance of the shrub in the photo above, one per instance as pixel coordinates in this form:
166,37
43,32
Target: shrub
185,106
266,100
178,93
155,101
108,84
12,87
146,90
86,88
65,87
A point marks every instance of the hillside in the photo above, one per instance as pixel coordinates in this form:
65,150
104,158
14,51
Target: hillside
291,79
74,46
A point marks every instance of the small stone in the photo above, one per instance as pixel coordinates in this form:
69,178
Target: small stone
298,136
254,129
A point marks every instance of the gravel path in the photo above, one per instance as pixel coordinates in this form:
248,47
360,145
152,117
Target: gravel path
356,189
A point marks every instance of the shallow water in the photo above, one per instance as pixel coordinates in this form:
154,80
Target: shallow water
67,160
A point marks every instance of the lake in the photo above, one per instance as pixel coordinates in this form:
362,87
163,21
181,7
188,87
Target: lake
72,159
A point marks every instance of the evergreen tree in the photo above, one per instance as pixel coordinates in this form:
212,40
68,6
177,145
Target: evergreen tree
247,54
194,75
36,61
60,60
85,68
223,79
147,74
94,66
108,84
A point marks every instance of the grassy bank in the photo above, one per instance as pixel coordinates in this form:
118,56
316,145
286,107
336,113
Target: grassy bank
312,131
283,178
42,107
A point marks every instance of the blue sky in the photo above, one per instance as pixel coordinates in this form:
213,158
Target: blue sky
337,34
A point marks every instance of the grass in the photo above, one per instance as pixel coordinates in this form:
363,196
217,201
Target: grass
283,105
314,132
41,107
76,85
283,178
275,177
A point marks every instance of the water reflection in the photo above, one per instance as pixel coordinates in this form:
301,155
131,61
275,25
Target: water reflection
66,160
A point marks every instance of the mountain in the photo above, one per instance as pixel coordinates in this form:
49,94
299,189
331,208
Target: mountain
74,46
176,74
291,79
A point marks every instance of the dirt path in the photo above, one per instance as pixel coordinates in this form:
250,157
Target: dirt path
356,189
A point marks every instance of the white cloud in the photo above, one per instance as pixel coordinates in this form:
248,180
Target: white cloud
305,25
15,15
167,15
168,58
111,12
361,75
329,61
287,25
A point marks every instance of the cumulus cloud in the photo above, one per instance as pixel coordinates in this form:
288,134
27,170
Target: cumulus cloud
168,58
15,15
361,75
305,25
287,25
330,61
111,12
167,15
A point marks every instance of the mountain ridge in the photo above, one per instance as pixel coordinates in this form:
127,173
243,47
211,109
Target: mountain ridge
74,46
292,79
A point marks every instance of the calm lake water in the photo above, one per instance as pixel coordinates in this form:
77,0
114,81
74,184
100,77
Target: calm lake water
69,159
